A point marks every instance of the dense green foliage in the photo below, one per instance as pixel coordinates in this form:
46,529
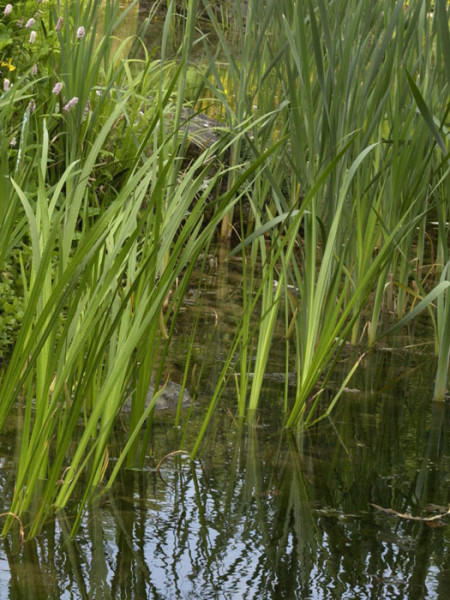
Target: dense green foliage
332,167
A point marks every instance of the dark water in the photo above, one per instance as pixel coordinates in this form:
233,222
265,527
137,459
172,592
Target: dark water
266,514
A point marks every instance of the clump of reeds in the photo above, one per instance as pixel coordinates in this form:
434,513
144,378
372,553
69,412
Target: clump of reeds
351,210
95,188
337,146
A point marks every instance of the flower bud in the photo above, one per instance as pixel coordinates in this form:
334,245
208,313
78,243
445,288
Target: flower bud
70,104
57,88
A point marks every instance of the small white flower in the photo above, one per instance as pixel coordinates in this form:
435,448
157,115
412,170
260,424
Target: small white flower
70,104
30,23
80,32
32,37
8,9
34,69
6,84
13,142
57,88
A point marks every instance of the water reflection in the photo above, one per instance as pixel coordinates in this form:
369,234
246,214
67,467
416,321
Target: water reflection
267,515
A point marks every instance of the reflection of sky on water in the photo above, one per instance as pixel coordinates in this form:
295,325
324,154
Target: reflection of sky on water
179,537
203,541
192,538
263,514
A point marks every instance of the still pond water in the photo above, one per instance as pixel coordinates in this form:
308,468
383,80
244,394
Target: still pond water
263,514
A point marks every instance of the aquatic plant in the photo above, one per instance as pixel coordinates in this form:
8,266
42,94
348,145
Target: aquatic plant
105,257
333,168
366,159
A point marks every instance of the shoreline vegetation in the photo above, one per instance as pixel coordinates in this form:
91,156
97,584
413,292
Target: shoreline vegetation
328,178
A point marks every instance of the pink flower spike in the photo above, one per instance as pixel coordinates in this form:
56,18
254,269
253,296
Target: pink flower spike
57,88
34,69
30,23
8,9
6,83
80,32
32,37
31,106
70,104
59,24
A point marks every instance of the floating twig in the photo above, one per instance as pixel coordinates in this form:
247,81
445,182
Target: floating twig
158,466
409,516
